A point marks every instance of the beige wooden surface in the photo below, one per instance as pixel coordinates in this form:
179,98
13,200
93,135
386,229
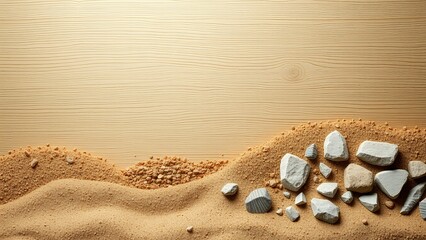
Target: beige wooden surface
202,78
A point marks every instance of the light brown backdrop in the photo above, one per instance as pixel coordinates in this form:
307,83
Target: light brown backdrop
202,78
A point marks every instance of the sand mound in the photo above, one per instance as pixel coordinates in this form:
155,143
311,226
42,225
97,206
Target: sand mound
105,210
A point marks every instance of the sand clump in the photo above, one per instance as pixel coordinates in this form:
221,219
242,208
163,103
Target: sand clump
169,171
116,211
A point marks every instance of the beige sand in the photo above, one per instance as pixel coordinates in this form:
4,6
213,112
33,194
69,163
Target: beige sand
81,209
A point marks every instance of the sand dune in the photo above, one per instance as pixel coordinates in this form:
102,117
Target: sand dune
84,209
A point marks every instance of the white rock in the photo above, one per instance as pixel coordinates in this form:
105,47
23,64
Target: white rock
358,179
292,213
34,163
325,170
422,207
377,153
391,181
300,199
370,201
347,197
287,194
417,169
69,159
279,212
413,198
258,201
335,148
229,189
325,210
294,172
311,152
327,189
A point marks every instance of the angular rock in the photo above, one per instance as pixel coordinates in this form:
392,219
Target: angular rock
327,189
229,189
391,181
417,169
370,201
292,213
325,170
325,210
258,201
358,179
300,199
335,148
287,194
279,212
377,153
413,198
347,197
422,207
311,152
294,172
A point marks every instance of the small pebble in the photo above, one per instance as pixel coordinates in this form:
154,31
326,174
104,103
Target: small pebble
287,194
279,212
190,229
34,163
69,159
364,221
389,204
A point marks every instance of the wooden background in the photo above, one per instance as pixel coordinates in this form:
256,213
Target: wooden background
202,78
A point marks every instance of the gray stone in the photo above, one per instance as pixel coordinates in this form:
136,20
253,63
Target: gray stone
325,170
292,213
311,152
327,189
358,179
300,199
370,201
347,197
287,194
391,181
294,172
230,189
258,201
325,210
417,169
413,198
377,153
335,148
422,208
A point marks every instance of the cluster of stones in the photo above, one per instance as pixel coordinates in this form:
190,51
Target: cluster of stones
294,173
169,171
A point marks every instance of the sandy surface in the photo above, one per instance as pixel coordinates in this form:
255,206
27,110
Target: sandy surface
84,209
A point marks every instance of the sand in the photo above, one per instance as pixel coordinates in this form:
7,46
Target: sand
97,202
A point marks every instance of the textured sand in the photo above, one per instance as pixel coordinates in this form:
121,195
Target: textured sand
82,209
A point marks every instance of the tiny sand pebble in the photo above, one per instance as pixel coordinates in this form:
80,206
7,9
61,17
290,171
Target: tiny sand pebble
279,212
69,159
34,163
190,229
364,221
389,204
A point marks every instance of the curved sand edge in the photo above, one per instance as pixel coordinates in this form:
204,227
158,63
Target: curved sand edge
105,210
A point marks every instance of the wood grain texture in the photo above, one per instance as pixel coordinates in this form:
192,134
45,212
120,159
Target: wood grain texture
202,78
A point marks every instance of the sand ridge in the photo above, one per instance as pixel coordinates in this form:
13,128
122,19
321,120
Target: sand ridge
108,210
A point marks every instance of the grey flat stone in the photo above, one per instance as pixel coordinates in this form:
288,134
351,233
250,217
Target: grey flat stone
370,201
413,198
258,201
311,152
422,208
417,169
325,170
335,148
377,153
300,199
391,181
325,210
358,179
230,189
292,213
294,172
347,197
287,194
327,189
